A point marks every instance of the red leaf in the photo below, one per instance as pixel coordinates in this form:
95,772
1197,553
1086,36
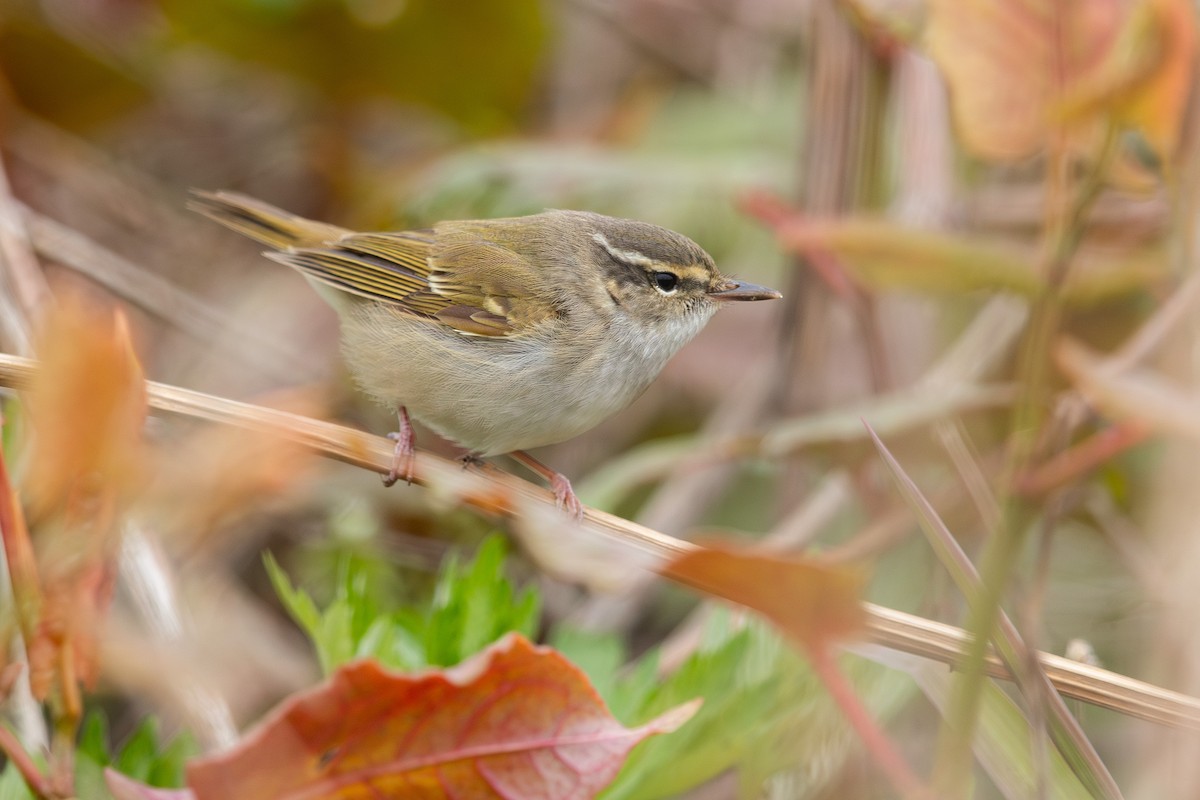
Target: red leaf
514,722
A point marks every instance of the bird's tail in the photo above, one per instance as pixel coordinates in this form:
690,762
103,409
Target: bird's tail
262,221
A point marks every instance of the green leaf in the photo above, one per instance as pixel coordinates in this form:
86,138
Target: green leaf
472,606
12,785
139,752
142,757
600,656
62,81
474,61
93,737
763,711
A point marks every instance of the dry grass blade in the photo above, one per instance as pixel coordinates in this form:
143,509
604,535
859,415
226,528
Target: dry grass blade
1067,734
20,270
156,295
494,492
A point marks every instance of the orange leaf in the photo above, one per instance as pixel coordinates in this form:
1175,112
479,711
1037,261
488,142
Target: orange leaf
87,405
515,721
814,603
1157,105
1011,63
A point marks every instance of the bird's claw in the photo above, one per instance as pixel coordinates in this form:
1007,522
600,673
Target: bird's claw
404,459
564,496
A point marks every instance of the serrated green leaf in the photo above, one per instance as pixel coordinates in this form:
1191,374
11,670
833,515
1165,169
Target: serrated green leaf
295,601
93,736
168,770
139,752
764,710
473,605
599,655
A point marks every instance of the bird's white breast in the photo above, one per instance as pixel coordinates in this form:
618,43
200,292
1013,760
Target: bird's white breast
496,395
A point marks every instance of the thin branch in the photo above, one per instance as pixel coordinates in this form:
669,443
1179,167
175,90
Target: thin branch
20,266
494,492
160,297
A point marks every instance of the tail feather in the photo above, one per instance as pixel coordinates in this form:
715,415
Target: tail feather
263,222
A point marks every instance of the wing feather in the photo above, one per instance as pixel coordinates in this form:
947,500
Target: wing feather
469,276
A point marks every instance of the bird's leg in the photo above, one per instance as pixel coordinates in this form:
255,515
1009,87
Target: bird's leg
404,457
564,495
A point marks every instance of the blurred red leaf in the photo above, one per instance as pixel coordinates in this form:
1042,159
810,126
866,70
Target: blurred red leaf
813,603
514,721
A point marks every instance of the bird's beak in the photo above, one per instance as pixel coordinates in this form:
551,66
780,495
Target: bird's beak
740,290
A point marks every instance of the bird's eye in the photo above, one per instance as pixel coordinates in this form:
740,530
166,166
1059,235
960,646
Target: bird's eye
665,281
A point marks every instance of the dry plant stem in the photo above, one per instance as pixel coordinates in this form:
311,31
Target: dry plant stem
1068,736
954,440
154,294
481,490
1064,233
20,267
15,753
838,161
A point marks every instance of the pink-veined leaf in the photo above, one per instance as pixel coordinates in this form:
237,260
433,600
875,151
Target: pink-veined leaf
515,722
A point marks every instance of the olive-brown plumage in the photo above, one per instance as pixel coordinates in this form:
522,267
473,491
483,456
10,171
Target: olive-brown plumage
505,334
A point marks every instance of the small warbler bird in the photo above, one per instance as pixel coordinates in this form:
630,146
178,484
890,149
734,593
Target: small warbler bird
503,334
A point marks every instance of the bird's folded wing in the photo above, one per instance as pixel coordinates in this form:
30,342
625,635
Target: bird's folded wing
472,286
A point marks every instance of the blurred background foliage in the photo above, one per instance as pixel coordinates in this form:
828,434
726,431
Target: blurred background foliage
932,186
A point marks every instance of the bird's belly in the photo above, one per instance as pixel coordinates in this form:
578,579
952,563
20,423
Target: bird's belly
492,396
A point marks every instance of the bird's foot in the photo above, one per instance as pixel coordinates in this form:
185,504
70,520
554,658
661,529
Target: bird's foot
564,496
404,457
